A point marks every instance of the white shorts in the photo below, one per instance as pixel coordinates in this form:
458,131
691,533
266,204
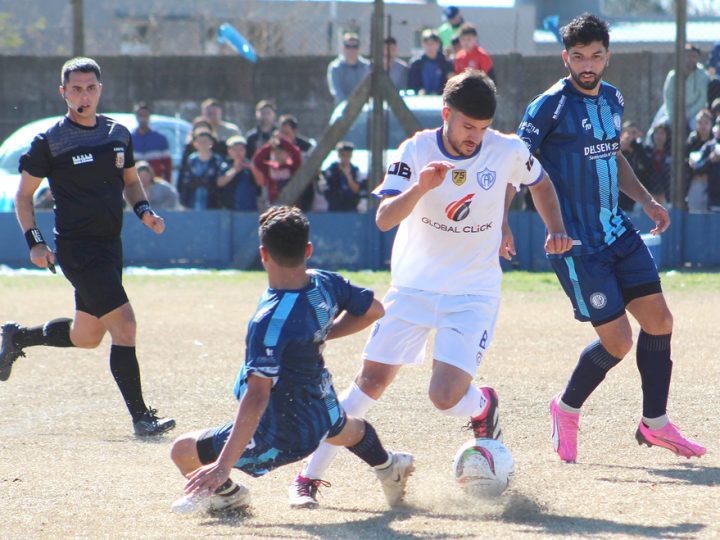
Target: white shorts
464,324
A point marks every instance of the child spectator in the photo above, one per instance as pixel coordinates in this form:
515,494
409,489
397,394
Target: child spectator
274,164
202,170
343,183
237,187
428,73
472,55
162,195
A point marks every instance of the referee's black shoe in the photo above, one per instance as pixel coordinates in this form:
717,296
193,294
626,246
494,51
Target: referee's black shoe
9,352
150,424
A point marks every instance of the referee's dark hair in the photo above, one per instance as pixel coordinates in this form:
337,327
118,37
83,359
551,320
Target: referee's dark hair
472,93
284,231
583,30
81,64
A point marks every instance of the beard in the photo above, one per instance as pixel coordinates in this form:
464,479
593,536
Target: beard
459,148
577,77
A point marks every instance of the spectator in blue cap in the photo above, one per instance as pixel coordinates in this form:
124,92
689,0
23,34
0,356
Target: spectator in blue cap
453,21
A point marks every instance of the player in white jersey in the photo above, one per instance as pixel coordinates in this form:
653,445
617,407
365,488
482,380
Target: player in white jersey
446,191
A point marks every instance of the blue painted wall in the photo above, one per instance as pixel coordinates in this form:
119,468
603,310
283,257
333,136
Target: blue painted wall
220,239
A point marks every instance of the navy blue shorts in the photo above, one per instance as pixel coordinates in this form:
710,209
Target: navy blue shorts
601,284
261,456
94,267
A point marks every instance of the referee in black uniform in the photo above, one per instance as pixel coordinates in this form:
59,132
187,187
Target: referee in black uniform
88,160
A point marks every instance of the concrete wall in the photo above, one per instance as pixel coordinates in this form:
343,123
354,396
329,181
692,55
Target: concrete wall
176,85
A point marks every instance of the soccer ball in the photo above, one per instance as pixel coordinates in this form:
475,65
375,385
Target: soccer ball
483,467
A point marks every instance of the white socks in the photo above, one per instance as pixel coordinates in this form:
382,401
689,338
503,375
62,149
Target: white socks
473,403
656,423
356,403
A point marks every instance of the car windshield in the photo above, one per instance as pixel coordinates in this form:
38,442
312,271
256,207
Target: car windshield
359,133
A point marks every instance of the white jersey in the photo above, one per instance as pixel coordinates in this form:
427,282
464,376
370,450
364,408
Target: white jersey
449,243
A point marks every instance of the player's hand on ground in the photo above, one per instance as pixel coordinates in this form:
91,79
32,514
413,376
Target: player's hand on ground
433,174
507,244
154,222
556,243
659,215
42,256
206,479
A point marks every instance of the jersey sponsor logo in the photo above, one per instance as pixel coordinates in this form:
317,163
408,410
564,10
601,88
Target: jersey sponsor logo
459,210
82,158
529,127
559,108
619,97
529,163
120,158
459,176
467,229
587,126
602,150
486,178
598,300
400,169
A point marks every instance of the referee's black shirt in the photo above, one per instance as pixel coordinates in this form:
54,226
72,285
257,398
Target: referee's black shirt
84,166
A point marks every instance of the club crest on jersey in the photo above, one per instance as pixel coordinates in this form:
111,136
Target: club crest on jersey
486,178
459,210
459,176
119,158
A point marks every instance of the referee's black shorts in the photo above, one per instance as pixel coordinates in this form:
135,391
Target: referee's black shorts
94,267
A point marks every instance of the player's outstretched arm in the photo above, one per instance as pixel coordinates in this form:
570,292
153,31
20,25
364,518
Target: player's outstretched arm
546,202
393,210
252,406
346,324
40,253
134,193
631,186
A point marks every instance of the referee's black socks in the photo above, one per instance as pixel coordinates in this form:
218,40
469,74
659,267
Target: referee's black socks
54,333
125,369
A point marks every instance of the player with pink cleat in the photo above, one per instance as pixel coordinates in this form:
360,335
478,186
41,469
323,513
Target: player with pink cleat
565,426
669,437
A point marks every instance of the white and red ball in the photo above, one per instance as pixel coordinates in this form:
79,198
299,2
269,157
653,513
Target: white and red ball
483,467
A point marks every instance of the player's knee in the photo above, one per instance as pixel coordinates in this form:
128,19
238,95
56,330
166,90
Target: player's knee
372,384
620,346
87,340
662,325
184,448
125,331
443,398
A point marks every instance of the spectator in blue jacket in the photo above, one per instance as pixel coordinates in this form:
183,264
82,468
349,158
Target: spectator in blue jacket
429,72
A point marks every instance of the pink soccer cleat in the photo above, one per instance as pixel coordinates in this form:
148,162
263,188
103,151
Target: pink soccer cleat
487,424
669,437
565,426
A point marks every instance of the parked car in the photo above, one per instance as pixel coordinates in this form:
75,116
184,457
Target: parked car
427,110
175,129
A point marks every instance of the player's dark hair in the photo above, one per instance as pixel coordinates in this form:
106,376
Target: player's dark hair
81,64
284,231
141,106
210,102
584,29
472,93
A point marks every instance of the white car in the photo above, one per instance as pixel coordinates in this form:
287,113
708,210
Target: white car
427,110
175,130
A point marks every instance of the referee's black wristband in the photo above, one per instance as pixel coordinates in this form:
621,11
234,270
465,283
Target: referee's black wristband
33,237
141,207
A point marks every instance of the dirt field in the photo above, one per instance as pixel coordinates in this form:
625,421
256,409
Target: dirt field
70,468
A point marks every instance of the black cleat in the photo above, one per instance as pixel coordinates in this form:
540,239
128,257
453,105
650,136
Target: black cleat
9,352
149,424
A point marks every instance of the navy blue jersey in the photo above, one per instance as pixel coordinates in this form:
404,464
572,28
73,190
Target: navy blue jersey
284,342
576,138
85,167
